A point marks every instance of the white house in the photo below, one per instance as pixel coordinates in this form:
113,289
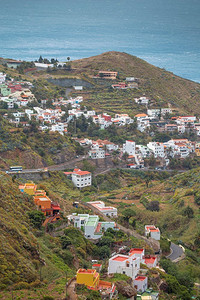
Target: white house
124,264
144,150
141,283
142,100
59,127
155,113
106,210
96,151
152,231
137,252
90,225
150,261
2,77
80,178
142,122
129,147
157,148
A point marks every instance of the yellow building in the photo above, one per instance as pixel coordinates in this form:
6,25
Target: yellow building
28,188
88,277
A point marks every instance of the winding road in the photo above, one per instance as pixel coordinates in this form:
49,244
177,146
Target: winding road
176,254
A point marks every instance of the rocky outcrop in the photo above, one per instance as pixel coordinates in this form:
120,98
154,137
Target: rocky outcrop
126,289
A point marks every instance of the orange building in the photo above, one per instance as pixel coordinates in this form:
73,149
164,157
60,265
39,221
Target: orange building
43,202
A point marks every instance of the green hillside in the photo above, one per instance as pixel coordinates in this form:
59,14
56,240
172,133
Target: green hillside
160,85
31,148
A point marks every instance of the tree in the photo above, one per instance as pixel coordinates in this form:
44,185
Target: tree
153,206
128,213
37,218
65,241
125,156
148,177
104,252
188,211
106,241
40,60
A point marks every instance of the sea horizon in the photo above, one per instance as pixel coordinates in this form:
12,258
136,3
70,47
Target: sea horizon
166,35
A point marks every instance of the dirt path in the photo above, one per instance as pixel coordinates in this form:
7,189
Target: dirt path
71,290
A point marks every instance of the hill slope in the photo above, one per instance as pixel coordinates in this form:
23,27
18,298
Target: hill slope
159,84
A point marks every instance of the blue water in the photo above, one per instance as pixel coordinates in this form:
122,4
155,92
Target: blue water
165,33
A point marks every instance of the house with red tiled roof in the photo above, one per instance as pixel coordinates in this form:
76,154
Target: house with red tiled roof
152,231
141,283
124,264
108,211
80,178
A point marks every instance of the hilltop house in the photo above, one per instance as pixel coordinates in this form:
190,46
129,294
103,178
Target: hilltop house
107,75
80,178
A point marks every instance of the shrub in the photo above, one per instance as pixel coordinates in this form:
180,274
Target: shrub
37,218
21,285
188,211
153,206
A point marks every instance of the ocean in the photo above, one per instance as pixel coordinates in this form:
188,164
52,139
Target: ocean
164,33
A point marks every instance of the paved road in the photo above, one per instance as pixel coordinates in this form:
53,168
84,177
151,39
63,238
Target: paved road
176,252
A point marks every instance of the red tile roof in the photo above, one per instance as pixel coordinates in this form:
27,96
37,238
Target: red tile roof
140,278
120,258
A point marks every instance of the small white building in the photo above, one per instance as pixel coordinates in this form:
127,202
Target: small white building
152,231
80,178
141,283
150,261
109,211
142,100
129,147
157,149
78,87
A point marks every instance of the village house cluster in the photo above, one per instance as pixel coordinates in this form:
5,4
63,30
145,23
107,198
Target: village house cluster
15,93
136,153
129,265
